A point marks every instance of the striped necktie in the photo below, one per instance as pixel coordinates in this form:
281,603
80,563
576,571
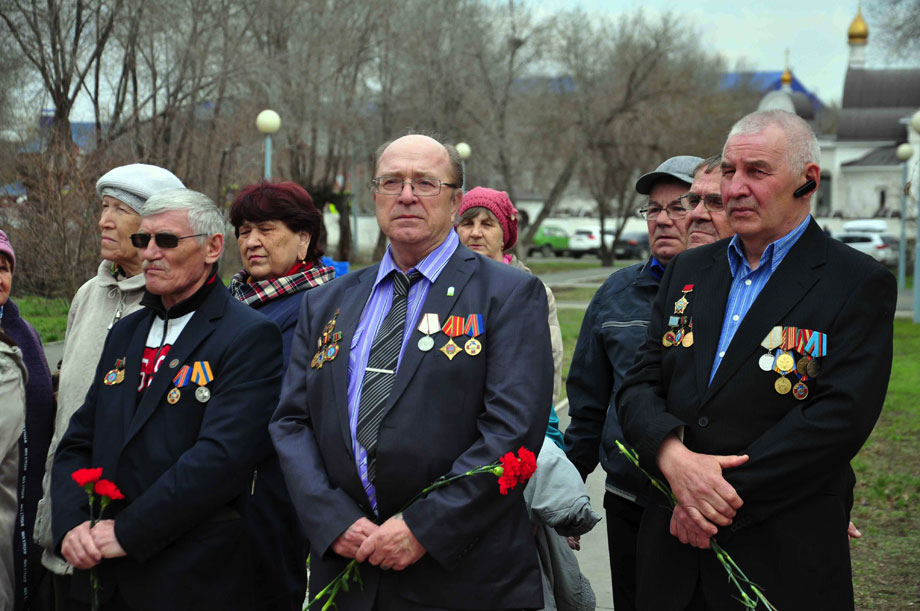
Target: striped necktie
381,368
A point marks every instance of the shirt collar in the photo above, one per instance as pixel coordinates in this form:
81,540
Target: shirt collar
656,268
430,267
772,255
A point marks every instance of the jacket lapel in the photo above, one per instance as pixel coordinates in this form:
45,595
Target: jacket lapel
195,331
354,298
712,286
127,395
791,281
456,273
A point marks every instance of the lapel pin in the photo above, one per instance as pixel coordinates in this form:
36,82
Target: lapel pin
450,291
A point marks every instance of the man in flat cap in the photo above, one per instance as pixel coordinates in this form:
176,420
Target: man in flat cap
115,291
613,328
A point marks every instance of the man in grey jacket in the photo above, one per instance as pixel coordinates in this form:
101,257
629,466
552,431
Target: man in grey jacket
614,326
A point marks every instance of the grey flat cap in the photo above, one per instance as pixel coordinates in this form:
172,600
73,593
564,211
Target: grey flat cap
677,168
134,184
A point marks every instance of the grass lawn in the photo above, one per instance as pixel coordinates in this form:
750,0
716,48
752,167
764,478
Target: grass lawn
48,316
539,265
575,293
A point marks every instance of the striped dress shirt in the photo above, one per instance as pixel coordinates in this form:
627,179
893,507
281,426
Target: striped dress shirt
747,284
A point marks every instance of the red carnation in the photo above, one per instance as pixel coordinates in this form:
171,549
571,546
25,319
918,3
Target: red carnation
511,468
86,476
528,463
107,489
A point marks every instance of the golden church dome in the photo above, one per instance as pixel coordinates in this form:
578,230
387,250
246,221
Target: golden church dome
858,33
786,78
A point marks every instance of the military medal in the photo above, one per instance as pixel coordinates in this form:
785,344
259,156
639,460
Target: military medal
474,326
201,375
202,394
800,390
327,345
452,328
688,338
117,375
173,396
782,385
429,324
681,304
668,339
773,339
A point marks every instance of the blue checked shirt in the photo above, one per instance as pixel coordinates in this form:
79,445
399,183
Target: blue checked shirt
376,309
747,284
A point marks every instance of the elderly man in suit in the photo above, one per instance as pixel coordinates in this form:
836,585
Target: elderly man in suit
431,363
754,419
182,392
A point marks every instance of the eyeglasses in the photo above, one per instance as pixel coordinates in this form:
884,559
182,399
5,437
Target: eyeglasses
675,211
423,187
163,240
712,202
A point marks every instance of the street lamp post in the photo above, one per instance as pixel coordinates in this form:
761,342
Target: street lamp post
905,152
915,124
268,123
464,150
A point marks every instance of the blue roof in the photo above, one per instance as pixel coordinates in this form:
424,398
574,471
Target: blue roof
14,189
82,133
767,81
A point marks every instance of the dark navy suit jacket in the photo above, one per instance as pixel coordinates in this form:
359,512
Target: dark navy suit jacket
790,534
181,467
444,417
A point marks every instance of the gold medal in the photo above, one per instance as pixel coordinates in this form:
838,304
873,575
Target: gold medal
800,391
172,397
450,349
668,339
688,340
782,385
117,375
785,363
472,347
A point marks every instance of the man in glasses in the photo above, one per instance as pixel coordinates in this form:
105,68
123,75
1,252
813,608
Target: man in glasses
178,405
614,326
708,221
428,364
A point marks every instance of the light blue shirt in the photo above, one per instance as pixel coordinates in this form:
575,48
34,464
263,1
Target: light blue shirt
376,309
747,284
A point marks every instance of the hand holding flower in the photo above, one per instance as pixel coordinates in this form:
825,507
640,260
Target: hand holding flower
79,549
104,537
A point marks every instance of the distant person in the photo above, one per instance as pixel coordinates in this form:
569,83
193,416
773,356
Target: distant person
613,328
34,437
280,234
13,377
114,292
175,417
754,423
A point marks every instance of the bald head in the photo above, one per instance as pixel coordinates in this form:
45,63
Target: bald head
420,142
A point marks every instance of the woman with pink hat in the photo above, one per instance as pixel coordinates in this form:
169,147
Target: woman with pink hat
488,225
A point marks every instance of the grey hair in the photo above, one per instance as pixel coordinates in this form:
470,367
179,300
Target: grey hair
203,215
456,164
803,145
707,165
470,213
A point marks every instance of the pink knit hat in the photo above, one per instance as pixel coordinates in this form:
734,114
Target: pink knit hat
497,203
7,249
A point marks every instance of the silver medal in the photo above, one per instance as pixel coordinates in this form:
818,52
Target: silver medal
202,394
766,362
425,343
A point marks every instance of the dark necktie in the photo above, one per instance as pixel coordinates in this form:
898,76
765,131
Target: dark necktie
381,368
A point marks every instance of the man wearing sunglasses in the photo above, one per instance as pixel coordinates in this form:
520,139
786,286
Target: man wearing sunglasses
614,326
364,424
179,403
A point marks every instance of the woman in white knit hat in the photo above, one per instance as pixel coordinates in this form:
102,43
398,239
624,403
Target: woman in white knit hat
115,291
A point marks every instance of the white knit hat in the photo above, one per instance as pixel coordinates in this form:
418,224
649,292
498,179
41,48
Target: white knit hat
134,184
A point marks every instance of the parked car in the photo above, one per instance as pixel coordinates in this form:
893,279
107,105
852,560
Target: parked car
883,248
632,245
585,241
550,241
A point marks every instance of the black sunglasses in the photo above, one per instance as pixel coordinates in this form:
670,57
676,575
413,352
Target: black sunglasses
163,240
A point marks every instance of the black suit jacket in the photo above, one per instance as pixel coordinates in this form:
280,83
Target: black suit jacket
444,417
790,534
181,467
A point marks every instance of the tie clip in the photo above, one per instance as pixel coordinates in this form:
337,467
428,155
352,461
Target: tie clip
375,370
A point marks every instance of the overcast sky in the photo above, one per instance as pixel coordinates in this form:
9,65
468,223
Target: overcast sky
814,31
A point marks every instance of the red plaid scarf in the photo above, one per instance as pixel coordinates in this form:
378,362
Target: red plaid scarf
261,291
